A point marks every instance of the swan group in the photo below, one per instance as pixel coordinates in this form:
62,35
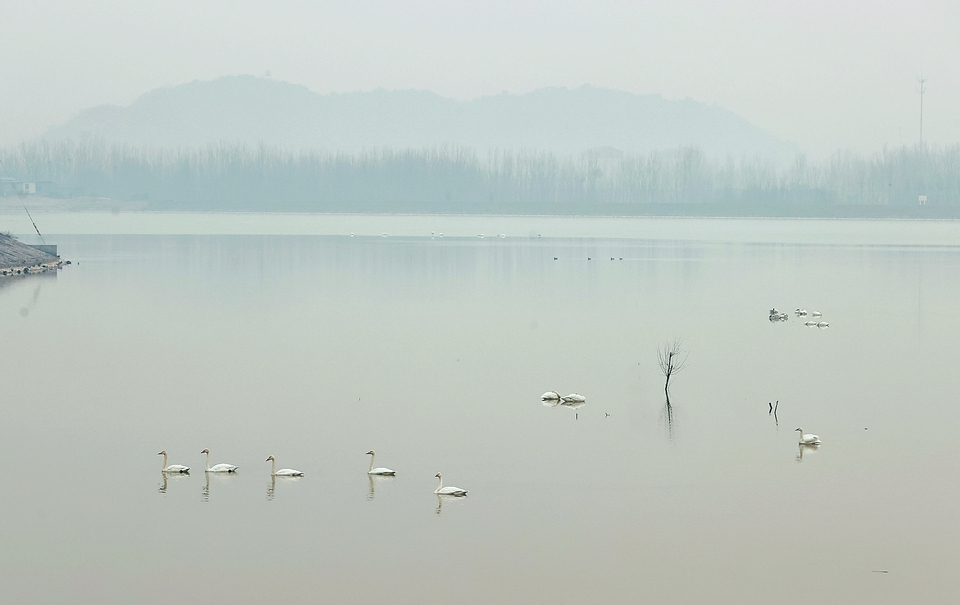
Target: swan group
289,472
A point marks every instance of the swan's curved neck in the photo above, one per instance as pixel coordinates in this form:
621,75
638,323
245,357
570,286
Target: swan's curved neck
273,467
440,482
372,456
208,461
164,460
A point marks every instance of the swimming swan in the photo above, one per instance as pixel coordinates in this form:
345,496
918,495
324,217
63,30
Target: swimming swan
449,490
218,468
550,396
574,398
808,439
284,472
173,468
378,471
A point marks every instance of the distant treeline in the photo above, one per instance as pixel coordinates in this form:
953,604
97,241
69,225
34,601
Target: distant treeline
234,177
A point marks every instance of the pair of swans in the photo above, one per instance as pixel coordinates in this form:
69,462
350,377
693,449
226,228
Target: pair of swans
555,396
809,438
184,470
441,490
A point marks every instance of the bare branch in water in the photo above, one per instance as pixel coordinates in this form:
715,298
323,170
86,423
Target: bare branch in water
672,360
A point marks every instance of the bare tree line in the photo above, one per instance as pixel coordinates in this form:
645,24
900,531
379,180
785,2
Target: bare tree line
235,176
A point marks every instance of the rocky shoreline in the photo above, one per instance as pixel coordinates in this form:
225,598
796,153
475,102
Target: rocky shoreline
17,258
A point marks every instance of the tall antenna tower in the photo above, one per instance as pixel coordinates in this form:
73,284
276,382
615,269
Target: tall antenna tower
923,89
922,198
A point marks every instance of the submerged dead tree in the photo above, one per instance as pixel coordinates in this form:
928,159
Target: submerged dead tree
672,360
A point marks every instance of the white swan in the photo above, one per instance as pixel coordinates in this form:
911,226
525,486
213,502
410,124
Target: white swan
809,438
801,312
284,472
823,324
380,470
810,324
449,490
574,398
173,468
550,396
816,314
218,468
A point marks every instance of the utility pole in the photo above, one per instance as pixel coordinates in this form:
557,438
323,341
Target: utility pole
921,198
923,89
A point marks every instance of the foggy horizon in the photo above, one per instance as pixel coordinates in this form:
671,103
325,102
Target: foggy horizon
826,76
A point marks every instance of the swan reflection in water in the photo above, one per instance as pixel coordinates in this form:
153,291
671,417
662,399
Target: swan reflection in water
445,498
272,486
222,477
374,479
165,477
807,448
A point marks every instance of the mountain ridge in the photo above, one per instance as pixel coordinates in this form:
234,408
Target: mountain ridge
253,110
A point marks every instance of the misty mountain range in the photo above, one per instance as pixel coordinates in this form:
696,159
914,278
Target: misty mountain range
252,110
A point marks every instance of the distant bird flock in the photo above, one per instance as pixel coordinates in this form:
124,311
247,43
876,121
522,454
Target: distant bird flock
778,316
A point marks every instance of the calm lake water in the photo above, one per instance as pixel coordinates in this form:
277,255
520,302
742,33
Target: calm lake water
183,332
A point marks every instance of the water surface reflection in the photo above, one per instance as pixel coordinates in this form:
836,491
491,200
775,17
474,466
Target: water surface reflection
375,340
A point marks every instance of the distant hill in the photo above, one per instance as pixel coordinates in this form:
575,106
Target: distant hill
253,110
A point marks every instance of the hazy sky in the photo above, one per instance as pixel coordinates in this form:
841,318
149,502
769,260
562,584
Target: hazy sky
826,74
